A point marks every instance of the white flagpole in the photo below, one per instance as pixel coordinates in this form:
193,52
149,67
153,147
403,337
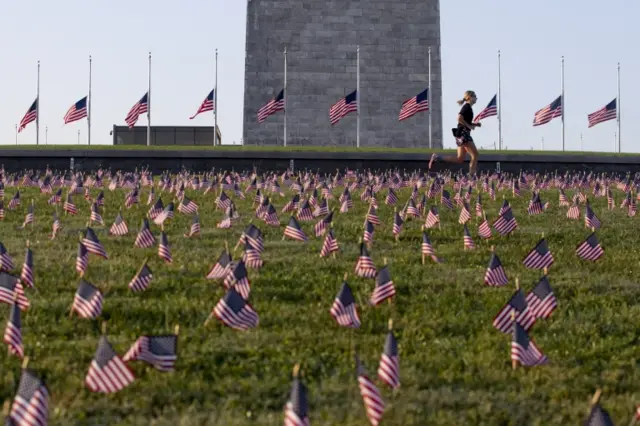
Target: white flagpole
358,96
285,96
429,100
499,105
149,106
562,100
618,112
89,107
215,106
38,108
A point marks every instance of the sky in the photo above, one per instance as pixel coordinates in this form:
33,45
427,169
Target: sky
593,36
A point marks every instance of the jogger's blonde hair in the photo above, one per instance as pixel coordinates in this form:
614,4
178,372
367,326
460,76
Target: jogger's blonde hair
467,95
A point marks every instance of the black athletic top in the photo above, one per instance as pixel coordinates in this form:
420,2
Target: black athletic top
467,113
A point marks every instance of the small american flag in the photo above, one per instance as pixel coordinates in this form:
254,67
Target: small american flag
540,257
6,263
31,403
391,198
164,250
195,226
13,332
467,240
384,288
15,201
142,280
373,403
95,215
87,302
69,206
140,107
364,266
156,209
296,411
495,275
344,309
107,372
523,350
187,206
239,279
590,218
221,268
294,231
548,113
322,225
574,212
397,225
372,216
56,226
329,245
598,416
506,223
207,105
159,351
82,259
119,227
490,110
606,113
541,300
433,218
29,217
30,116
26,276
235,312
445,199
389,367
274,105
484,230
145,238
523,315
412,106
304,212
78,111
251,257
167,213
590,249
92,243
343,107
11,291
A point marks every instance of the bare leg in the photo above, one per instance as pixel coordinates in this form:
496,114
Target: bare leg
457,159
473,153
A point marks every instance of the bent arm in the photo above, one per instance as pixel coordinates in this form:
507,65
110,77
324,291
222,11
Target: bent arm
462,121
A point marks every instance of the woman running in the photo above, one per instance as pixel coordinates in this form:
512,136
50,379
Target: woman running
462,133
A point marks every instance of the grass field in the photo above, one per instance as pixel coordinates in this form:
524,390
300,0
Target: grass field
455,367
294,148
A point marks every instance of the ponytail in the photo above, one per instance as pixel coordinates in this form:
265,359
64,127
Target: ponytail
460,102
467,95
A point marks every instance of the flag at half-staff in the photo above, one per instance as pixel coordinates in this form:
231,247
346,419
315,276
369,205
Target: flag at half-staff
207,105
273,106
31,403
343,107
107,372
161,352
606,113
344,310
142,279
490,110
414,105
548,113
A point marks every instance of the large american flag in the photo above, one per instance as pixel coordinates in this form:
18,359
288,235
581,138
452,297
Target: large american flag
78,111
548,113
141,107
343,107
107,373
274,105
606,113
31,403
207,105
490,110
30,116
412,106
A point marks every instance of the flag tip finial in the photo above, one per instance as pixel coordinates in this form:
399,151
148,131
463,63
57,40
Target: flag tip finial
25,362
176,329
6,408
596,397
517,283
296,370
104,327
385,261
346,274
390,323
545,270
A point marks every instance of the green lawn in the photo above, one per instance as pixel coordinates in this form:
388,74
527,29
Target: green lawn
455,367
281,148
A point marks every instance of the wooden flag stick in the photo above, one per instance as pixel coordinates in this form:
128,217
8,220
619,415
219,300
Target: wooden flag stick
34,218
390,324
6,409
144,262
104,328
226,246
176,330
211,314
344,278
514,363
423,259
296,370
545,271
517,283
25,362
